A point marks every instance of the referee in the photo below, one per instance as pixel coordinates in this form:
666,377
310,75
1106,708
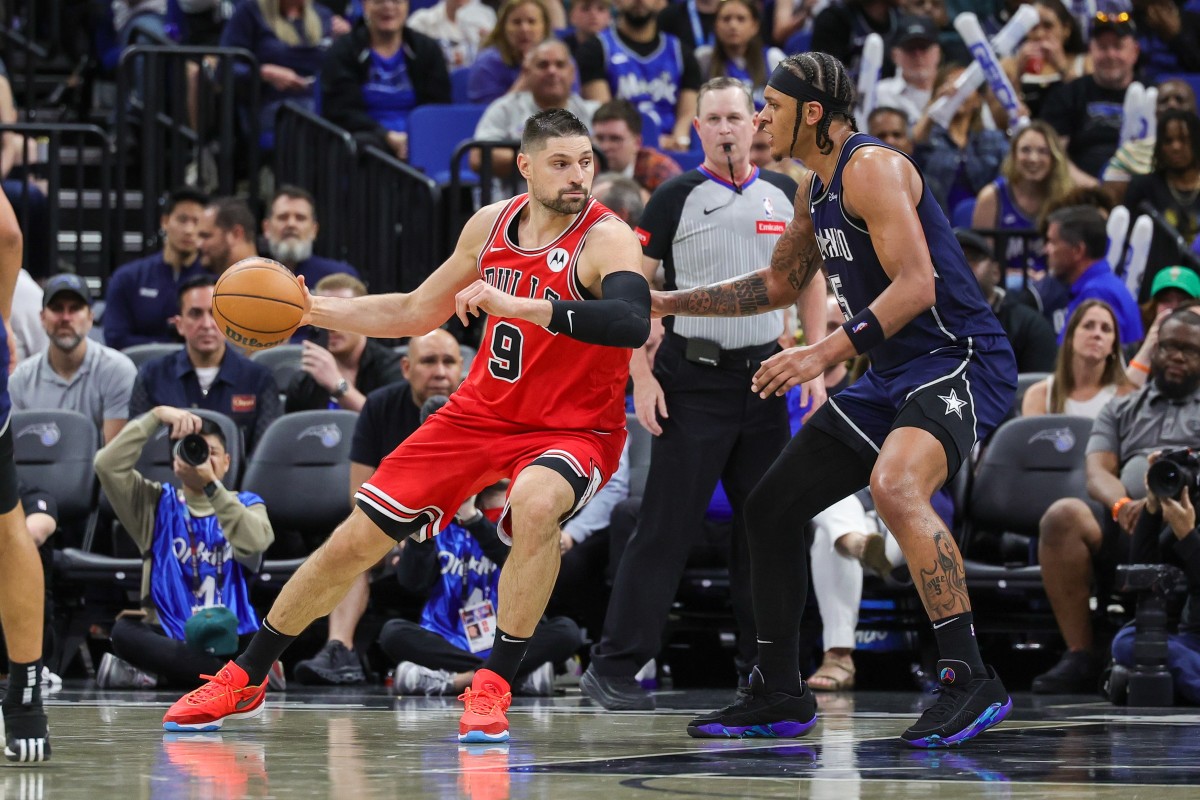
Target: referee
712,223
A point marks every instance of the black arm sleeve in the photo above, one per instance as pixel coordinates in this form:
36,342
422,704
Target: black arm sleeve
621,319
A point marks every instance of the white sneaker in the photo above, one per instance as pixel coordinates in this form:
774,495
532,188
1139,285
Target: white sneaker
539,683
115,673
411,678
51,683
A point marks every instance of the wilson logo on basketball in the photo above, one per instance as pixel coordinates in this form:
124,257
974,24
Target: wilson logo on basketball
557,259
772,226
252,342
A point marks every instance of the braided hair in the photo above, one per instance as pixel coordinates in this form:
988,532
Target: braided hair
826,73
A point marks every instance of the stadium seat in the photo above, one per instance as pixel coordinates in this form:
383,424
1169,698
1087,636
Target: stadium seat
459,78
650,131
963,213
301,470
1029,463
54,450
689,160
433,133
1024,381
283,361
141,353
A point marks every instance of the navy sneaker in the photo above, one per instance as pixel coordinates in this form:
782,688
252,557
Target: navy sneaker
967,706
757,713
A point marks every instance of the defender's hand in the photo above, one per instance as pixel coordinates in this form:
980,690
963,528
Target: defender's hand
784,370
481,297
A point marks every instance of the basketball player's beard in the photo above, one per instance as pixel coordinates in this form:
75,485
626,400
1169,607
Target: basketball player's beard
559,205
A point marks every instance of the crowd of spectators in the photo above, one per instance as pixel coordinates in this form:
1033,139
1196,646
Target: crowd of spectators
1030,204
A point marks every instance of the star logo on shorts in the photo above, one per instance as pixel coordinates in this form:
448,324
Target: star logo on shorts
953,404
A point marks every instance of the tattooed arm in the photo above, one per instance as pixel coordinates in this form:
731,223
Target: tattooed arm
794,262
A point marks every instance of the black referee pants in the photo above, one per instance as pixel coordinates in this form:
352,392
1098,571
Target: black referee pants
717,430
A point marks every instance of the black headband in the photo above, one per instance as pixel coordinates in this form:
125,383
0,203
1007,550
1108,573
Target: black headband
786,81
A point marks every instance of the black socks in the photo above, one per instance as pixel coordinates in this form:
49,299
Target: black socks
265,649
506,656
956,640
24,684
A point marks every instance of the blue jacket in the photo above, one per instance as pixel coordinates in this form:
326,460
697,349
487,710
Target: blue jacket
243,391
142,295
940,158
1099,283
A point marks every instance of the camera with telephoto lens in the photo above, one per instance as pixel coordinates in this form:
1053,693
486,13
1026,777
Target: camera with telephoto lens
191,449
1174,471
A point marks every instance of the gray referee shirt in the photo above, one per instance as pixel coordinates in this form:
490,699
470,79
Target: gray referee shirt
99,390
706,232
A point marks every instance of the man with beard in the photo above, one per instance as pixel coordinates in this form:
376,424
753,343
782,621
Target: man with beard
74,372
1080,543
347,368
1172,187
226,234
142,296
635,61
559,277
291,228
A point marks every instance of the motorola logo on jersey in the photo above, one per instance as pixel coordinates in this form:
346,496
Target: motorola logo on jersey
557,259
833,244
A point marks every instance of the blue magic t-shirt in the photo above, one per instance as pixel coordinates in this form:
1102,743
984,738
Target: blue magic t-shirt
388,93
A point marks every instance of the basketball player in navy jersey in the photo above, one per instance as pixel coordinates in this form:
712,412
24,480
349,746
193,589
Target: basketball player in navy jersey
26,735
942,377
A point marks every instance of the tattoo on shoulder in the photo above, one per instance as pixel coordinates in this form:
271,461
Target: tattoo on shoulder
796,256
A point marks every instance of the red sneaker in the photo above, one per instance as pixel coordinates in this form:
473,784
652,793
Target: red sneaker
227,695
486,700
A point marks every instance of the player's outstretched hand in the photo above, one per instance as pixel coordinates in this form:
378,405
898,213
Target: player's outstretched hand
784,370
306,317
658,305
481,297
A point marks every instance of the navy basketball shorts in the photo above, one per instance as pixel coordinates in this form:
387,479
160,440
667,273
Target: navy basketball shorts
960,394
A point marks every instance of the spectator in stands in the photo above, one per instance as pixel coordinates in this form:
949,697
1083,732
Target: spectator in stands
198,544
738,50
1087,111
953,49
1171,288
1076,243
377,75
291,228
1078,543
917,55
549,74
1034,175
1136,157
841,29
1089,371
74,372
960,160
200,21
617,131
459,26
760,154
1172,187
1052,54
637,62
891,126
207,373
226,234
432,367
130,16
1029,332
289,39
143,295
26,319
587,18
1168,33
520,26
460,572
348,367
620,195
692,22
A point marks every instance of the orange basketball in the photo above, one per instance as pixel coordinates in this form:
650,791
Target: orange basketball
257,303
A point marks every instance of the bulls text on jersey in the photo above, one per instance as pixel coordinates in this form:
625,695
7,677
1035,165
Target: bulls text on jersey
510,281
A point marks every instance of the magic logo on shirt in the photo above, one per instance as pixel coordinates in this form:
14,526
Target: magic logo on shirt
833,244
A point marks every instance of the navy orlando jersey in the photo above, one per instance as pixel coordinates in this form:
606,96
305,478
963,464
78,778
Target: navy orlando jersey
858,278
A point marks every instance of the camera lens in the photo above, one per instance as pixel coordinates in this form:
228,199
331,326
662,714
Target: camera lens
1165,478
192,449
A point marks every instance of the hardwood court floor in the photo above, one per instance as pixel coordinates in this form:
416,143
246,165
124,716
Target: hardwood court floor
365,745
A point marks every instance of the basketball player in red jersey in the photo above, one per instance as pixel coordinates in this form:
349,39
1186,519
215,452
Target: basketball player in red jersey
543,405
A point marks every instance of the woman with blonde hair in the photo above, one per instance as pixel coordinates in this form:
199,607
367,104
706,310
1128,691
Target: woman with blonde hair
521,25
289,38
1034,178
1089,371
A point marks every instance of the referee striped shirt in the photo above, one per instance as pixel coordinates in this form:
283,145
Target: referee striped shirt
704,232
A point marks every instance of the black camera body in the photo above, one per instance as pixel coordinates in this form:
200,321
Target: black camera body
1174,471
192,449
1148,682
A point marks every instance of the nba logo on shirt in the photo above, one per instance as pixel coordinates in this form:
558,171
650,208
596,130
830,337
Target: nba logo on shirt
556,259
768,208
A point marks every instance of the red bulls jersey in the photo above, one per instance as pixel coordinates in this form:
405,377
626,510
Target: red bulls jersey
524,373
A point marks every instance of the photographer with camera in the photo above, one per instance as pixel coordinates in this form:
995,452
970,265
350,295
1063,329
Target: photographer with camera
198,545
1166,533
1080,542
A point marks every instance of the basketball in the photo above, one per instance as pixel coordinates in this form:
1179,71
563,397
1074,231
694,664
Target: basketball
258,303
